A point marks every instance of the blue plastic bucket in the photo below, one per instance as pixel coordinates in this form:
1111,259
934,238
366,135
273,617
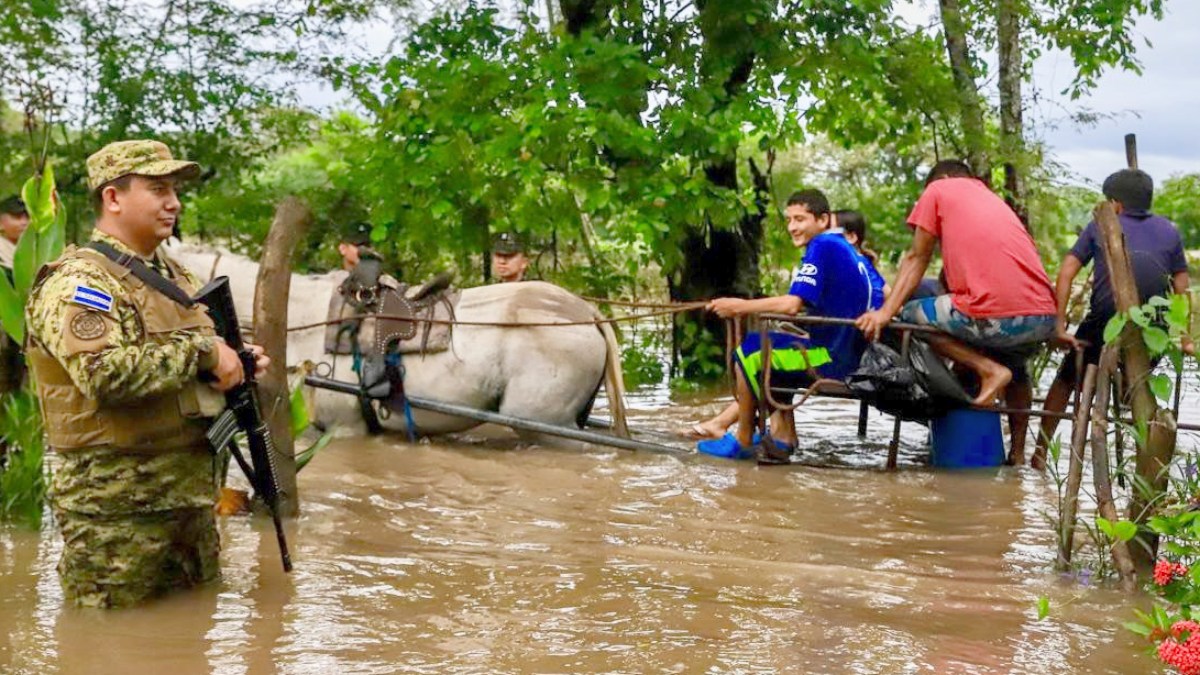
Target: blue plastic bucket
967,439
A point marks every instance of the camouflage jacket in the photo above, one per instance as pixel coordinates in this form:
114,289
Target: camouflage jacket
103,480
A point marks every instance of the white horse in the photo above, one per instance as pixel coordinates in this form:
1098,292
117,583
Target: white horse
547,374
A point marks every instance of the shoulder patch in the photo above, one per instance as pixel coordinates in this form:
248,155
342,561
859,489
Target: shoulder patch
91,298
88,326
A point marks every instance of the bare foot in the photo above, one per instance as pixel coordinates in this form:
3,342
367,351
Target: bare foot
1038,461
992,384
701,431
1015,459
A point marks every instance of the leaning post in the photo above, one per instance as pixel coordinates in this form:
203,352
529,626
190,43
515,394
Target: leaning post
292,219
1154,451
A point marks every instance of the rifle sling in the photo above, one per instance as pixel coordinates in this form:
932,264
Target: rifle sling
141,270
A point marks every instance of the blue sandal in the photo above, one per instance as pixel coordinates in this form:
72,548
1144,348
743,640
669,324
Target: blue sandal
727,446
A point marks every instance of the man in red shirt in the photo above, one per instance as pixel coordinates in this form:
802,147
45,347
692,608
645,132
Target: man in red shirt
999,302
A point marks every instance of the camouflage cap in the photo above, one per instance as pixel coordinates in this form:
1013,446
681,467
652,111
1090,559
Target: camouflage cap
507,243
141,158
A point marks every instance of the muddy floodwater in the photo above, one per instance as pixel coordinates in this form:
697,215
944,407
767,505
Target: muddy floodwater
477,555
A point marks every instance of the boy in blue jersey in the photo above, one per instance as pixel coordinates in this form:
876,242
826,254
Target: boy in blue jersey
832,281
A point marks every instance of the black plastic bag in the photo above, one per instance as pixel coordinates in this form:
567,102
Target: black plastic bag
919,388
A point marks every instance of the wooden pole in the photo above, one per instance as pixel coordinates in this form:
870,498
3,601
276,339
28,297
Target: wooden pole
1079,436
1155,450
1100,476
292,219
1131,158
894,445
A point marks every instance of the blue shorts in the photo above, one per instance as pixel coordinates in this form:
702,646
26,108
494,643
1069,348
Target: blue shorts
1001,334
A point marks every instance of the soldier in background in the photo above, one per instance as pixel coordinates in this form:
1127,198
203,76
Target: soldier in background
128,379
13,221
508,257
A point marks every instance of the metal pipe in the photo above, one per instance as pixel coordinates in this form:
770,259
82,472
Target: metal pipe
505,420
806,319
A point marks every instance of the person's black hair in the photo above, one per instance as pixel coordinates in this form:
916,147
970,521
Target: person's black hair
813,200
949,168
13,206
854,223
1134,188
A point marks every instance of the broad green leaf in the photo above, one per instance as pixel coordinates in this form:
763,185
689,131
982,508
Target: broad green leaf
12,310
1177,314
1125,530
1160,386
25,261
300,418
1105,526
37,193
1156,339
50,242
303,458
1112,330
1139,316
1159,301
1139,628
1043,607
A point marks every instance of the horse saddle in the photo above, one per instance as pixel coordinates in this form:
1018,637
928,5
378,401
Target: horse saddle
400,318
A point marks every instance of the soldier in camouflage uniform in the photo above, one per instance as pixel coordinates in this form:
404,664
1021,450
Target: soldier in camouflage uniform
119,370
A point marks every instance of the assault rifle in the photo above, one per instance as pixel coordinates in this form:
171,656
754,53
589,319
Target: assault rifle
243,412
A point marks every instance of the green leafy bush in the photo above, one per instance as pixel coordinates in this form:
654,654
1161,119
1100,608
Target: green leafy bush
23,478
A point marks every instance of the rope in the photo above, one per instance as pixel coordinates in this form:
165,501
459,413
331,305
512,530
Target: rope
676,309
631,303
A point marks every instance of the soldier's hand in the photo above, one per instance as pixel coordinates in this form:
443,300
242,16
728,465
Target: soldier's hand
228,372
261,360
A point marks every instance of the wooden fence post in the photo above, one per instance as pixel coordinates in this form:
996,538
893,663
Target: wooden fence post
1154,451
292,219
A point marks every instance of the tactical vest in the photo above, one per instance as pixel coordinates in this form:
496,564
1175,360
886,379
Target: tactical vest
172,421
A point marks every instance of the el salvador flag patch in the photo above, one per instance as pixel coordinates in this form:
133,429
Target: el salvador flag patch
92,298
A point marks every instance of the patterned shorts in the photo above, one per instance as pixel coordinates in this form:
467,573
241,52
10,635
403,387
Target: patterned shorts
994,334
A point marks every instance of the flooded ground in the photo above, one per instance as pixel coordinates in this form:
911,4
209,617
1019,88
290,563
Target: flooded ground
477,556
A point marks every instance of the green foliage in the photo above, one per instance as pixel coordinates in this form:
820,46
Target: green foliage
642,359
1178,198
96,71
42,242
702,353
301,421
1122,530
23,478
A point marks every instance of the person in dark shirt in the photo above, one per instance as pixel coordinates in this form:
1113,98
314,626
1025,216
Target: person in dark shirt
1159,267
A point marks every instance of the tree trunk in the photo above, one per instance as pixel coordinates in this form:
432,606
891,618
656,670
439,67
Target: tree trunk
722,261
292,219
1012,133
974,131
1154,452
719,259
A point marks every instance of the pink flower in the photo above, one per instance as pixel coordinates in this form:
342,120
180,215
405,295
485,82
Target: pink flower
1182,656
1163,571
